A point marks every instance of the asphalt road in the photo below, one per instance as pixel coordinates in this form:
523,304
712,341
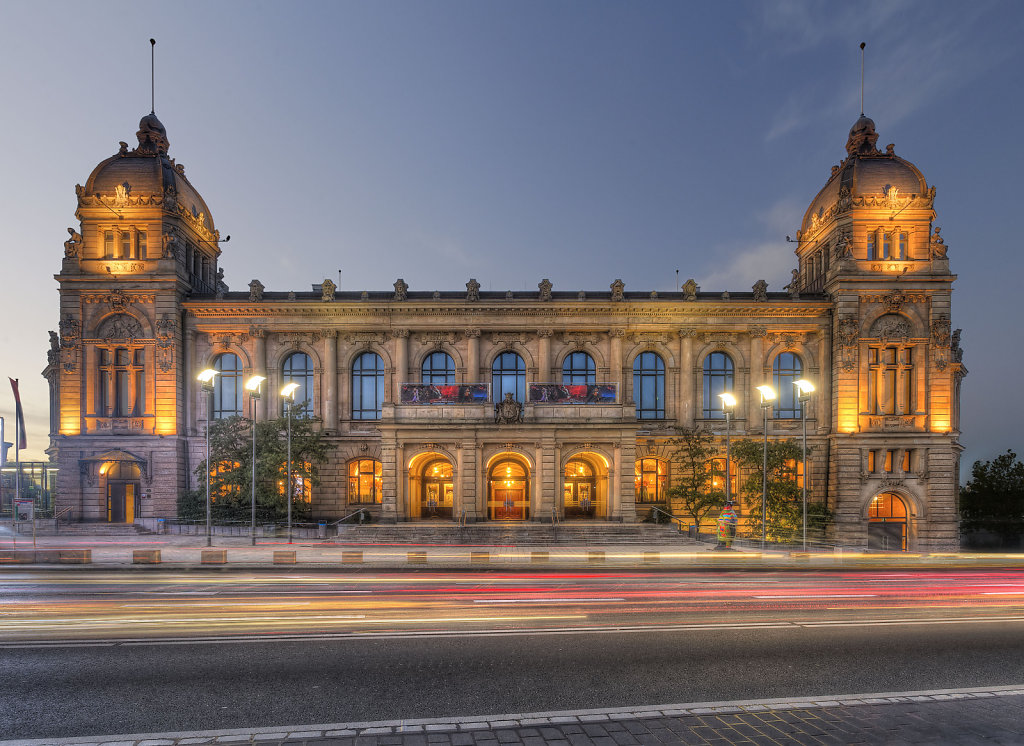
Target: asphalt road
96,653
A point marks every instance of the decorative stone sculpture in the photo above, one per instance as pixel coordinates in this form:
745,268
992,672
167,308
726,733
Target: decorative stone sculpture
545,289
222,287
794,284
690,289
936,246
73,245
401,290
760,289
617,290
327,290
255,291
472,289
508,411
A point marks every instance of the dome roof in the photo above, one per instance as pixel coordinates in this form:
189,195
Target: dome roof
146,175
866,172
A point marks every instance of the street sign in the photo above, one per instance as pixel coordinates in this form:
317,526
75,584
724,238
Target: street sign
23,509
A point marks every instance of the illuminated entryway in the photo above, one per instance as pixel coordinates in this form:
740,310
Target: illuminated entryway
887,523
584,487
123,493
508,490
432,487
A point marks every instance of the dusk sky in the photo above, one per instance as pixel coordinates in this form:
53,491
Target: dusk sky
513,141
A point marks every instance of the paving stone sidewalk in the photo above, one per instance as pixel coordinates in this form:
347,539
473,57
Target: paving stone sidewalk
992,715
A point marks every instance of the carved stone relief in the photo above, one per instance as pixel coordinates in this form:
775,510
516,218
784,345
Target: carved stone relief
120,326
690,289
618,287
758,331
401,290
327,290
545,289
890,326
166,328
255,291
472,289
760,289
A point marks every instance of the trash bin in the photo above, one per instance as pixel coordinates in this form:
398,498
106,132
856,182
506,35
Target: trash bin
161,525
321,530
692,532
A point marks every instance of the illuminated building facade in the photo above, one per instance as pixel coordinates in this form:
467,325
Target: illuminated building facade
518,406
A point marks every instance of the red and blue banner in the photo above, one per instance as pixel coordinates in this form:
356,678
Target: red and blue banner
562,393
436,393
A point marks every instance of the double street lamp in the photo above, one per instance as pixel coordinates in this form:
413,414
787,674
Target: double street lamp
804,390
288,394
253,387
206,380
767,397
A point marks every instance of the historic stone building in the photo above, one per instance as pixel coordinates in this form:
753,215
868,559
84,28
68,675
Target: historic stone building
513,406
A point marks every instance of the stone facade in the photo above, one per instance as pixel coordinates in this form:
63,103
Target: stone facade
866,318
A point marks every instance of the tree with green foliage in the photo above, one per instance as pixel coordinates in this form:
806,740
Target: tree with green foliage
694,471
231,479
784,498
993,500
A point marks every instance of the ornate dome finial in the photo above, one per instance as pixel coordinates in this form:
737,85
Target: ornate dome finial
862,137
152,136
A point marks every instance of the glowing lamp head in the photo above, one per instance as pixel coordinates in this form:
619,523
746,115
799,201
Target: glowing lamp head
767,393
288,392
728,400
253,385
804,387
207,377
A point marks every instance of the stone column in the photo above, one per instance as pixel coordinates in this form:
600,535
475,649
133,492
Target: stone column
331,380
401,352
392,474
821,407
615,361
259,368
615,491
755,418
685,392
473,356
544,355
190,383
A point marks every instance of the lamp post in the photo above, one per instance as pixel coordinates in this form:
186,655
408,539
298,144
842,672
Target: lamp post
767,397
288,393
804,390
206,379
253,387
728,405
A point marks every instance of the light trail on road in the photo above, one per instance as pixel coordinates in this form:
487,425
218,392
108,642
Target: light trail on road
46,607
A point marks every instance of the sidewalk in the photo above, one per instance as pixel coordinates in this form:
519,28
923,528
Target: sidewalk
235,552
982,715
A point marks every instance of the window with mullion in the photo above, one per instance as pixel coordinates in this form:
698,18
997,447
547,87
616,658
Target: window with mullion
439,368
227,387
508,376
649,386
298,368
367,386
786,369
578,368
718,379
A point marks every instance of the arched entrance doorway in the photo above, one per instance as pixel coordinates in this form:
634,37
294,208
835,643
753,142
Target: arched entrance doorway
888,518
508,490
584,487
431,487
123,493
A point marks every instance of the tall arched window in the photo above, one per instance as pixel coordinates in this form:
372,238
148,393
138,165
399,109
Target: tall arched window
227,387
578,368
649,386
508,376
718,379
367,386
298,368
438,367
786,369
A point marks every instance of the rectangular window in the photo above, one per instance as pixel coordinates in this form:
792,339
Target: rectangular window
126,245
871,245
903,246
108,244
871,462
907,461
889,458
141,238
886,246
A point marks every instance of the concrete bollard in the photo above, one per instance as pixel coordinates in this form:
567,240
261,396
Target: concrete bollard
146,557
214,556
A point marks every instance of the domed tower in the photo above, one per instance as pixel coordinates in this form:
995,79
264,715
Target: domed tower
867,242
146,241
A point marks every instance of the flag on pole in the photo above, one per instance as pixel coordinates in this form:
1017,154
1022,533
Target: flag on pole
22,439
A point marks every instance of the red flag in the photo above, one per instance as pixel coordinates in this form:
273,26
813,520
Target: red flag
22,439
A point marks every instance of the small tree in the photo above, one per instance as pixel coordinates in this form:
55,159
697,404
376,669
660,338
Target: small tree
231,477
993,499
694,471
784,499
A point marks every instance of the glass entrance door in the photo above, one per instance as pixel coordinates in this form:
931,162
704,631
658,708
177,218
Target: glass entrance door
508,494
578,490
438,498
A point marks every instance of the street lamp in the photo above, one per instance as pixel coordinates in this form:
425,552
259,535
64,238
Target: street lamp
728,405
767,397
206,379
804,390
253,387
288,393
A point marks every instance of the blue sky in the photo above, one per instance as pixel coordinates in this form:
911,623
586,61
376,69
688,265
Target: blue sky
579,141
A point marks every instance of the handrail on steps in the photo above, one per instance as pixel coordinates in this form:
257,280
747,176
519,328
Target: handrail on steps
353,513
462,518
671,517
60,514
555,520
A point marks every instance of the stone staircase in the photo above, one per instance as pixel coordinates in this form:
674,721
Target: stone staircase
583,533
45,527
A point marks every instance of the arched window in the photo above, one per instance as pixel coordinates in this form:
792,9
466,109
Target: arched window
508,376
438,368
227,387
367,386
578,368
650,475
649,386
718,379
786,369
298,368
365,481
887,522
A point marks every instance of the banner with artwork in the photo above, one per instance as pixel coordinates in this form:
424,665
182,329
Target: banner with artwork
437,393
561,393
